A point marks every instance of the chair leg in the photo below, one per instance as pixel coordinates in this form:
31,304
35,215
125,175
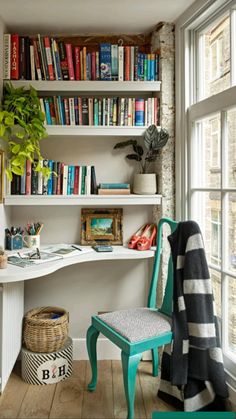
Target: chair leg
130,365
155,362
92,335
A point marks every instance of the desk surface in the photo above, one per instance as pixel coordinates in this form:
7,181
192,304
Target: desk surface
15,273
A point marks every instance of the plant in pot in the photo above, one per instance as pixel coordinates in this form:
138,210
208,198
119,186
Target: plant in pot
154,140
22,127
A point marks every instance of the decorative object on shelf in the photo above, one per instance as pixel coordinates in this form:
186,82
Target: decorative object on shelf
3,259
1,175
45,329
32,238
13,237
136,236
154,140
101,226
22,127
144,238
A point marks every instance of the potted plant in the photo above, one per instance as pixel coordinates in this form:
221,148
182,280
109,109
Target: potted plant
22,127
154,140
3,259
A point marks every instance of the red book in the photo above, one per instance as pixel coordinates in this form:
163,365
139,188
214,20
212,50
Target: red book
67,110
15,57
36,59
58,189
80,110
49,57
93,71
77,64
76,182
127,63
28,178
70,61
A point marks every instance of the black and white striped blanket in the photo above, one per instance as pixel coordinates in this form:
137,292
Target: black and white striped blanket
192,372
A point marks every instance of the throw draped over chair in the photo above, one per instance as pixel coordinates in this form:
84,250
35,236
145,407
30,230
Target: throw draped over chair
136,330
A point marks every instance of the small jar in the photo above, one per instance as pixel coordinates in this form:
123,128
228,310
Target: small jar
3,261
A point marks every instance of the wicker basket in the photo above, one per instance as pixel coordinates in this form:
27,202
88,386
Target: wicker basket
42,332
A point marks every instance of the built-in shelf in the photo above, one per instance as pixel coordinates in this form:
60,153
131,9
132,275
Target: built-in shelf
15,273
98,200
89,86
84,130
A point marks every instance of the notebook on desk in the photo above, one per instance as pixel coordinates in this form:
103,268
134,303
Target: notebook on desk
67,250
30,258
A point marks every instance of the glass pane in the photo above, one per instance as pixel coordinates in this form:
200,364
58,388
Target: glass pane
207,153
231,163
231,333
206,210
232,232
216,59
216,284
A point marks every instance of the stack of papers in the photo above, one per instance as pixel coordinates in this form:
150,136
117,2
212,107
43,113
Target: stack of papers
24,259
67,250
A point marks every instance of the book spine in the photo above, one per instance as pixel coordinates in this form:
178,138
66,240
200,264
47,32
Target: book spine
76,109
83,186
67,111
76,182
120,63
22,58
68,181
72,110
99,111
139,112
77,63
97,66
135,63
50,165
132,63
152,68
44,67
57,59
95,112
88,66
70,61
80,111
59,177
34,179
14,57
113,191
49,57
65,179
45,181
54,178
28,178
85,116
7,56
56,110
72,180
93,65
27,59
23,182
114,62
157,67
63,60
93,181
84,54
32,63
129,111
52,110
37,60
114,186
88,181
127,63
40,179
105,61
60,111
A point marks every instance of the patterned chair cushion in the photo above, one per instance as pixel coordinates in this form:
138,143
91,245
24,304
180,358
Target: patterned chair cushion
137,324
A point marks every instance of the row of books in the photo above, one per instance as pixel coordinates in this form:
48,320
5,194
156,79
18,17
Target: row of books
64,180
100,111
47,58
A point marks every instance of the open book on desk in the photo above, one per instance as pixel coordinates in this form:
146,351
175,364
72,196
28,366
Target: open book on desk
67,250
27,258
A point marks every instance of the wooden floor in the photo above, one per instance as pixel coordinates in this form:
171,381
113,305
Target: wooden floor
70,399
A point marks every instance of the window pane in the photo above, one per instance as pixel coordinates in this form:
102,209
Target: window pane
231,163
216,284
232,232
231,333
216,59
206,211
207,157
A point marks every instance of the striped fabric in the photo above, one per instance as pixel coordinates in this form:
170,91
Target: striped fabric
192,372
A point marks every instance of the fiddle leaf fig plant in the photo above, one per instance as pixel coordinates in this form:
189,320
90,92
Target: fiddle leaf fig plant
154,141
22,127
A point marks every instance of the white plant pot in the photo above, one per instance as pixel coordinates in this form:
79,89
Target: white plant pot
145,184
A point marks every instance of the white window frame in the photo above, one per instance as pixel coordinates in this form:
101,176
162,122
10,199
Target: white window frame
219,71
215,165
188,111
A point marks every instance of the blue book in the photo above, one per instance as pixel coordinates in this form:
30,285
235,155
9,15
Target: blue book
148,67
95,111
88,66
139,112
72,179
105,61
50,165
114,62
58,65
22,182
157,67
47,110
76,107
69,180
61,110
114,186
152,68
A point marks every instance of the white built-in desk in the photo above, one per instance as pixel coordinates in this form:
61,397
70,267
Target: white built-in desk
12,299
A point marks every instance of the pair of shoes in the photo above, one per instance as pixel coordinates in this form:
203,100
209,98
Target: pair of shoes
144,238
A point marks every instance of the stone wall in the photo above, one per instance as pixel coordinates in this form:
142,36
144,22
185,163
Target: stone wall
163,39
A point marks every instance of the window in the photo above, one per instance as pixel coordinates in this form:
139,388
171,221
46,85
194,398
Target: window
206,158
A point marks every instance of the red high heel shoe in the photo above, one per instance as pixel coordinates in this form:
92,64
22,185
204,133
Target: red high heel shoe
148,238
136,236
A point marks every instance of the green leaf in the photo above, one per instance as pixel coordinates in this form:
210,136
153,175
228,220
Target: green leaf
2,130
15,149
18,170
9,174
124,144
134,157
9,121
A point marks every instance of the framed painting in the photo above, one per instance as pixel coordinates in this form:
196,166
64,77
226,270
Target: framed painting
101,226
1,175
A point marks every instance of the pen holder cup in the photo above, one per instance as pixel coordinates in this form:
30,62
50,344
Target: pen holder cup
14,242
32,242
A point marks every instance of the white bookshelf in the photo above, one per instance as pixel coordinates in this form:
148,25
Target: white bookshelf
86,130
95,200
89,86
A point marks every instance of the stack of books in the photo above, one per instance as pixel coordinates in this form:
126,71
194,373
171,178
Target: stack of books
114,189
47,58
112,111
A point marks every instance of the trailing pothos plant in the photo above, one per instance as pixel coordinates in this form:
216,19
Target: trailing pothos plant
154,140
22,127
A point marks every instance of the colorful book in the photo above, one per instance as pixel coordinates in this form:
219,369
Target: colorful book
114,62
105,61
113,191
48,57
139,112
70,61
7,56
63,60
50,165
114,186
14,57
28,178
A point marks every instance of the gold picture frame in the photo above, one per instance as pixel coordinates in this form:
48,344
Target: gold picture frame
101,226
1,175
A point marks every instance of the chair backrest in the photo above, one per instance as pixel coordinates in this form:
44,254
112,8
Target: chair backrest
166,306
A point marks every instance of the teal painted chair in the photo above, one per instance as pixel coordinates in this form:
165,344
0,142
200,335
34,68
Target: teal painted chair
136,330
